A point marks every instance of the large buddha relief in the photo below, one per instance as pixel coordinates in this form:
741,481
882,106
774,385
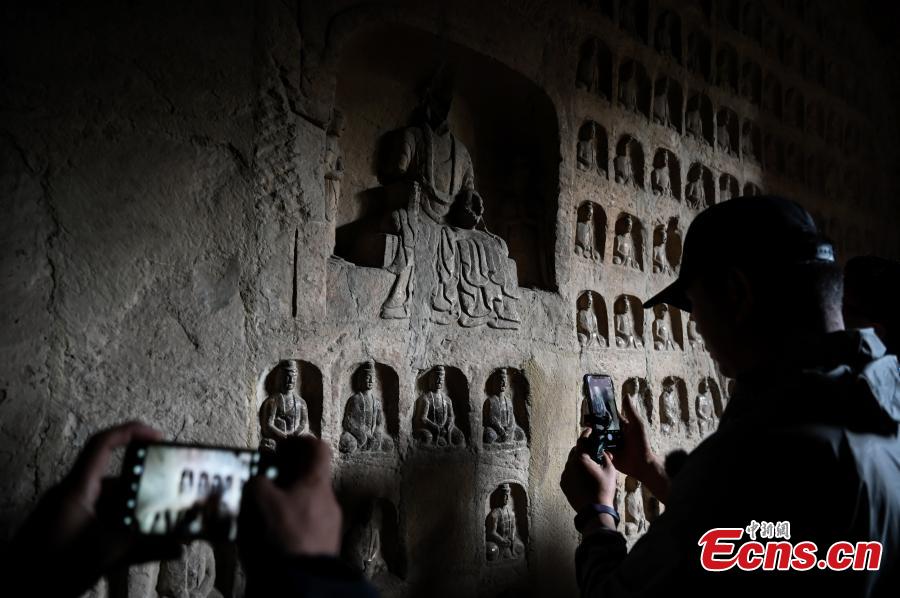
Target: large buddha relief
458,245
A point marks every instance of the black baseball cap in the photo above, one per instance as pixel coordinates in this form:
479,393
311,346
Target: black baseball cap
764,231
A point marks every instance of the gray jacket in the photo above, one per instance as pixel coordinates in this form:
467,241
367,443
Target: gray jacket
816,444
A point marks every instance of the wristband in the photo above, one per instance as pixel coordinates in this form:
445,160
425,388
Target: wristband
589,512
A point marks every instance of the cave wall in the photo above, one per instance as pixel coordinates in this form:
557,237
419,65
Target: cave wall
171,233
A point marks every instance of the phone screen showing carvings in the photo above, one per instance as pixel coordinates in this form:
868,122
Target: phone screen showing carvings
602,414
185,490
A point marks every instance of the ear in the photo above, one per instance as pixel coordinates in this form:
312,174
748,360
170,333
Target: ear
740,295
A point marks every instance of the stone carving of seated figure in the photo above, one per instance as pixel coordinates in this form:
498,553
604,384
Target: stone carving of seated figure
363,545
747,151
623,167
283,414
635,521
661,113
584,234
723,136
695,341
588,330
624,254
660,181
661,263
500,426
475,279
364,417
662,333
705,411
625,334
193,575
695,193
628,90
435,422
693,123
586,147
668,408
502,534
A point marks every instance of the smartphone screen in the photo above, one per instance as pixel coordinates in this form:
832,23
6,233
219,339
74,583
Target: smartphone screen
186,490
601,406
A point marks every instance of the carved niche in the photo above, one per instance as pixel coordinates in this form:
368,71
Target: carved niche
284,413
365,426
504,415
437,421
592,326
372,543
674,414
505,528
628,248
590,231
629,323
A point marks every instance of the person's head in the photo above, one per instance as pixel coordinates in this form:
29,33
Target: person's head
872,297
755,275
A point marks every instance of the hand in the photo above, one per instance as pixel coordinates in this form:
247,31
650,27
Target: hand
75,526
298,515
635,457
584,481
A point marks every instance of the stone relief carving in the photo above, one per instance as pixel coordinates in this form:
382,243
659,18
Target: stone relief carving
669,409
593,70
662,330
586,145
635,521
664,35
334,161
660,180
476,280
193,575
695,193
661,263
500,427
364,420
585,238
748,145
623,166
363,546
661,103
626,335
283,414
705,409
588,328
638,392
502,541
697,46
695,341
434,422
629,87
624,252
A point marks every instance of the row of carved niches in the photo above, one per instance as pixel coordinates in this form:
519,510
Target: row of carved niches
442,417
666,331
689,45
629,240
678,409
457,200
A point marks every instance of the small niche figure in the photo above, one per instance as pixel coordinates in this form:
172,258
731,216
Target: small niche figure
502,534
586,147
588,329
624,254
363,545
364,417
283,414
695,341
584,234
635,521
501,426
192,575
435,422
623,166
693,122
705,411
660,182
625,335
661,263
723,137
668,408
696,194
334,161
662,333
628,89
586,73
661,104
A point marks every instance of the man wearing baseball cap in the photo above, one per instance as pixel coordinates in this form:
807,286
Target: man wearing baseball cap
809,437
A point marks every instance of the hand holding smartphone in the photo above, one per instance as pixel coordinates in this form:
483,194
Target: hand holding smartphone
601,415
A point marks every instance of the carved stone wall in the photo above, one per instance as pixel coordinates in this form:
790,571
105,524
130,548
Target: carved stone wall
196,205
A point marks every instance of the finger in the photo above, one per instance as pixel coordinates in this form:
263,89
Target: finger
91,464
629,413
585,432
305,460
262,495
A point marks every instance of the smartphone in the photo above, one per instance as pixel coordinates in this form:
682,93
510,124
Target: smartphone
601,414
186,490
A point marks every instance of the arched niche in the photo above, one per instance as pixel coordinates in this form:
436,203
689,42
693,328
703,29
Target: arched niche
698,118
628,322
628,164
667,35
588,304
727,131
638,389
517,499
700,189
674,406
590,231
592,149
665,177
751,188
513,382
633,18
751,82
634,87
373,521
727,67
593,72
628,245
307,383
455,388
507,123
772,96
715,393
668,103
381,381
674,242
793,108
751,20
728,187
751,141
666,316
699,54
